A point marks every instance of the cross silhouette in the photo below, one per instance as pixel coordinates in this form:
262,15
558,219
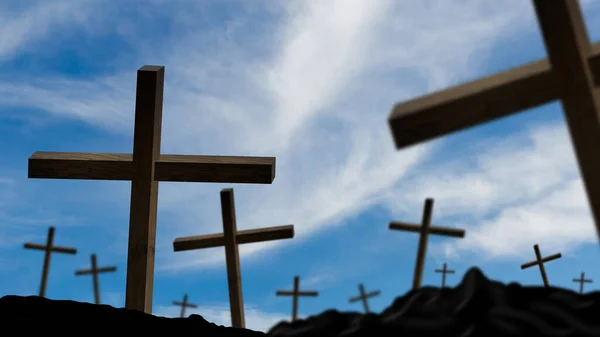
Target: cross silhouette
94,271
184,305
296,293
424,229
444,271
364,297
540,261
48,249
581,281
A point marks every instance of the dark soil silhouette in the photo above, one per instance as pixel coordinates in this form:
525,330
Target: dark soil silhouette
22,314
476,307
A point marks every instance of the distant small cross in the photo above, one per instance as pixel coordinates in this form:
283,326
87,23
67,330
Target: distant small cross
184,305
364,297
444,271
49,248
94,271
296,293
581,281
540,261
424,229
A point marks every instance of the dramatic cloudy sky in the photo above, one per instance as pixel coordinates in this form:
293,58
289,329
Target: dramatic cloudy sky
312,83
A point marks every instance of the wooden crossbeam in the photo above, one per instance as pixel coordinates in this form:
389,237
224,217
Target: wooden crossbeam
295,293
94,271
48,249
571,74
364,297
184,304
145,167
581,281
424,230
242,237
540,262
230,238
168,167
444,271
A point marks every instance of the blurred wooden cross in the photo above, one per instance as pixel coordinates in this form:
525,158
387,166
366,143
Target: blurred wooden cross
570,74
230,238
145,168
184,305
540,262
581,281
424,229
94,271
295,294
364,297
444,271
48,249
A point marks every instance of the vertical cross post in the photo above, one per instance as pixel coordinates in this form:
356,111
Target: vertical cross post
540,262
568,47
581,281
295,294
444,271
144,188
94,271
184,305
424,230
364,297
48,249
232,260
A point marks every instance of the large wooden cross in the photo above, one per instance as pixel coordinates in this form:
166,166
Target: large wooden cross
424,229
295,293
571,74
184,305
94,271
230,238
444,271
48,249
581,281
540,262
145,168
364,297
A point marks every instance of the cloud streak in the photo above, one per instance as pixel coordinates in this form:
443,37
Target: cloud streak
313,86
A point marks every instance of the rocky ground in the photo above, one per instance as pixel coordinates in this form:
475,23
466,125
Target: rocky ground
476,307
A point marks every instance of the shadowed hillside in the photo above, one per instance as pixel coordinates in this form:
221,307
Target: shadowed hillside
476,307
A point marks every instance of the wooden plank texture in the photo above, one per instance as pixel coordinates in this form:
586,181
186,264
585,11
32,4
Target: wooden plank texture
232,258
444,231
144,189
169,167
244,236
568,47
477,102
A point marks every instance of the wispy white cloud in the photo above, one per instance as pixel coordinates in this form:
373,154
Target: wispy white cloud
518,192
313,86
26,24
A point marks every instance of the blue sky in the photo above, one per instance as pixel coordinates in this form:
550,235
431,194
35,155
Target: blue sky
311,83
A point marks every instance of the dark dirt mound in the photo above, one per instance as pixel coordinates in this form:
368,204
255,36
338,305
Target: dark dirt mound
26,313
476,307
